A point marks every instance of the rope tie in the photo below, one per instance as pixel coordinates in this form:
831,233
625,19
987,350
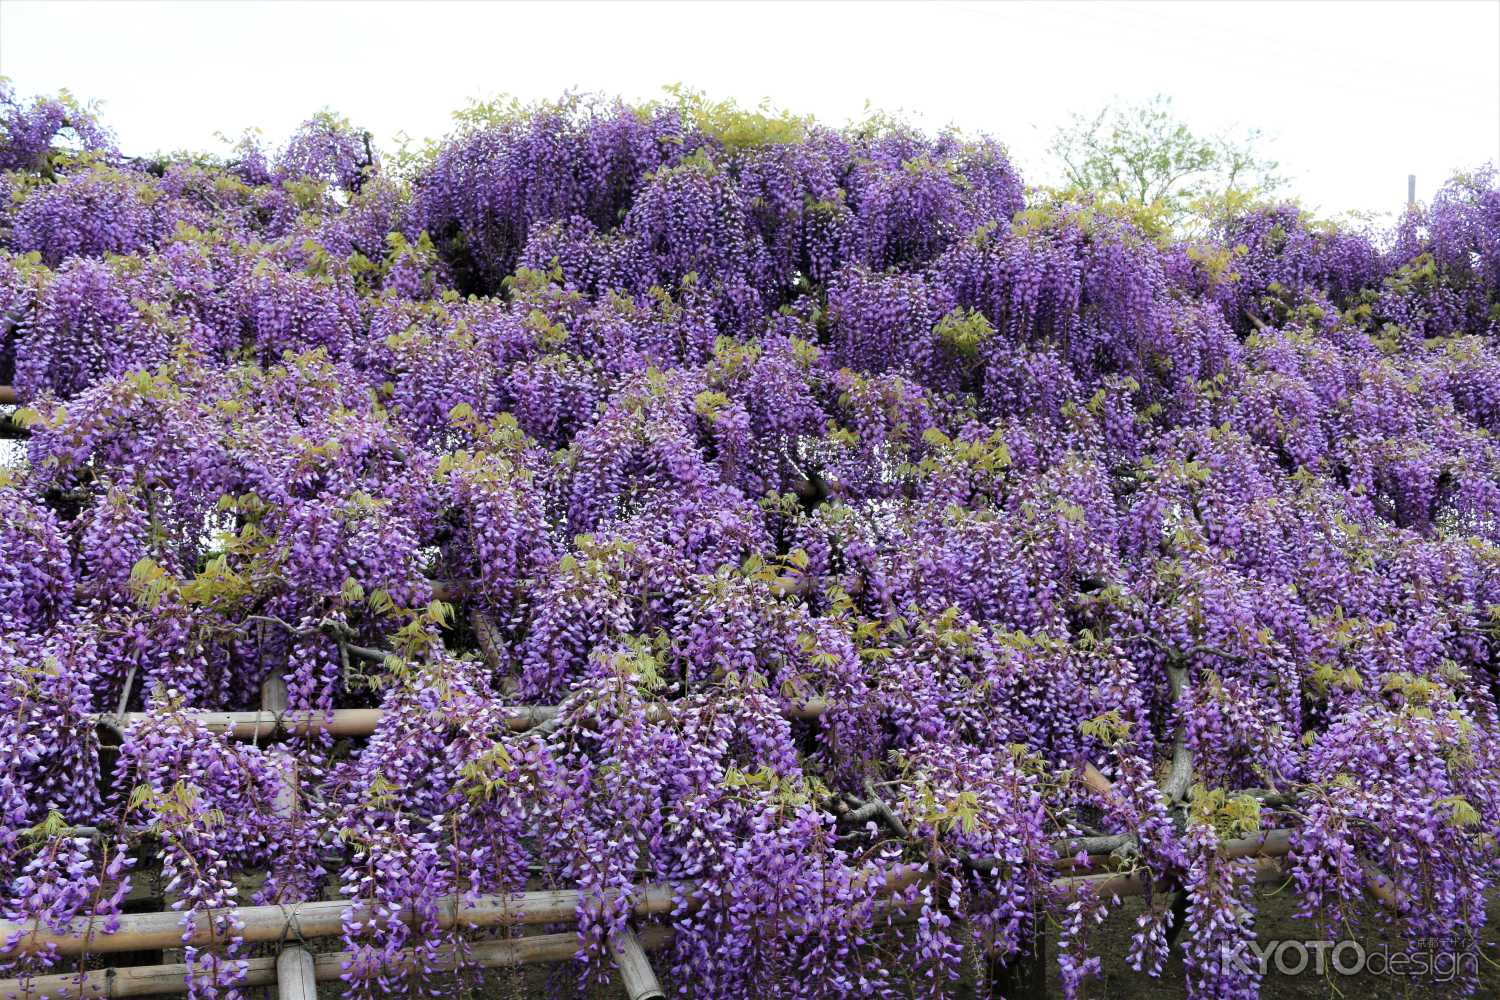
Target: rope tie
291,927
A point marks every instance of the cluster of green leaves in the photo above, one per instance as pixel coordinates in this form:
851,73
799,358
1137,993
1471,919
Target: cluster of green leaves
736,128
1230,816
786,794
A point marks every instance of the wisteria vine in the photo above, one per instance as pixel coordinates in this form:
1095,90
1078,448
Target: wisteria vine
1097,549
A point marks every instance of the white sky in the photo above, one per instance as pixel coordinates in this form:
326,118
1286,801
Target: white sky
1355,95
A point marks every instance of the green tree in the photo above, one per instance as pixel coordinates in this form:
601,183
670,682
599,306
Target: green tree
1145,156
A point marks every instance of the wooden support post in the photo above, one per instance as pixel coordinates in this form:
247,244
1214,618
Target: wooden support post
635,968
296,974
8,395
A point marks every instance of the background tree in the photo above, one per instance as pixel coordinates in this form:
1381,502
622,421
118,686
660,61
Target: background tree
1144,154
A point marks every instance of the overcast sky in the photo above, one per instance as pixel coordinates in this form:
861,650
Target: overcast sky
1355,95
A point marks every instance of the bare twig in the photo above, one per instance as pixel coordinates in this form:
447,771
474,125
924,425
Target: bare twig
124,703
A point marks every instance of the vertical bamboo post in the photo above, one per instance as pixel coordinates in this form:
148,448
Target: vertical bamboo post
296,974
273,698
1411,190
635,969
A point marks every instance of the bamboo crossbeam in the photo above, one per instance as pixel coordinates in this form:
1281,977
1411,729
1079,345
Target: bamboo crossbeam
324,918
320,918
1271,843
1268,868
364,721
159,980
338,722
8,395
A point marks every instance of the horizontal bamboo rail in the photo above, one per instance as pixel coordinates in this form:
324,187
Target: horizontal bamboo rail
160,980
1268,868
364,721
338,722
314,919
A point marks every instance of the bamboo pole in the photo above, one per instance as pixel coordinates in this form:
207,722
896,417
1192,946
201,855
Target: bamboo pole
364,721
634,967
155,980
8,395
296,974
273,699
294,965
1096,781
338,722
1268,868
273,693
313,919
